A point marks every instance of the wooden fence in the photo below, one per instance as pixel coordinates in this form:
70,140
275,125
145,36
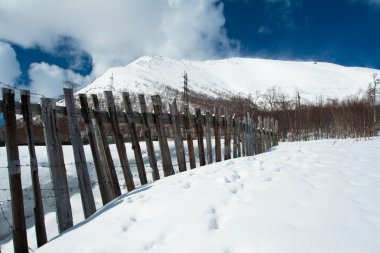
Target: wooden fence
242,137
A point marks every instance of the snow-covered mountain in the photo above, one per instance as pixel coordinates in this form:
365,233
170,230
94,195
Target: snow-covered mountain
150,75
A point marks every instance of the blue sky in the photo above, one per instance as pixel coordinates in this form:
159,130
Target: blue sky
45,42
339,31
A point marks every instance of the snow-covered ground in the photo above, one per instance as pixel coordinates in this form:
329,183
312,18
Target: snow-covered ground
317,196
150,75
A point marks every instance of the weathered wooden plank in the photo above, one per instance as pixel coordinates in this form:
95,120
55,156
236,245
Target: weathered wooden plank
164,148
119,140
260,140
148,138
218,152
227,137
20,242
199,127
57,165
135,140
208,138
38,206
189,137
104,144
180,150
243,137
102,173
87,197
235,138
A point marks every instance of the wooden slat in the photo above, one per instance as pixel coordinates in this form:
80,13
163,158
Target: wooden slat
180,150
57,165
135,140
102,140
148,138
208,137
119,140
227,137
189,137
38,206
87,197
199,127
218,152
164,148
20,242
102,172
243,137
235,138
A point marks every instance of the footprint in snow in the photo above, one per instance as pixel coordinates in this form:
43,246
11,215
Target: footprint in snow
213,222
187,185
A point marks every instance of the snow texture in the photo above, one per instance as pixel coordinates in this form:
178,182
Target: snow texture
317,196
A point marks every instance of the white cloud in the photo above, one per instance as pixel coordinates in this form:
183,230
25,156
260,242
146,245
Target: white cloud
9,66
48,79
118,31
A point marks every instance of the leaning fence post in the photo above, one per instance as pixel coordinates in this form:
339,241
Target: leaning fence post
20,241
208,137
104,145
135,140
57,164
164,148
38,209
180,150
119,140
102,172
148,138
88,202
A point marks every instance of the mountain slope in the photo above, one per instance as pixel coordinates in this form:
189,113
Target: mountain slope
150,75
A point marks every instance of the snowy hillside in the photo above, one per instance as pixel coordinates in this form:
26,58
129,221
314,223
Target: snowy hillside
317,196
150,75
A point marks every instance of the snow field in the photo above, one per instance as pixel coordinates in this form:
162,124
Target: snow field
317,196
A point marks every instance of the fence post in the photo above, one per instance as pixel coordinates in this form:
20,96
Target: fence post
148,138
208,137
20,241
38,207
180,150
57,165
227,137
276,131
244,136
164,148
102,140
102,173
234,138
88,202
119,140
199,127
135,140
218,152
260,141
189,137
